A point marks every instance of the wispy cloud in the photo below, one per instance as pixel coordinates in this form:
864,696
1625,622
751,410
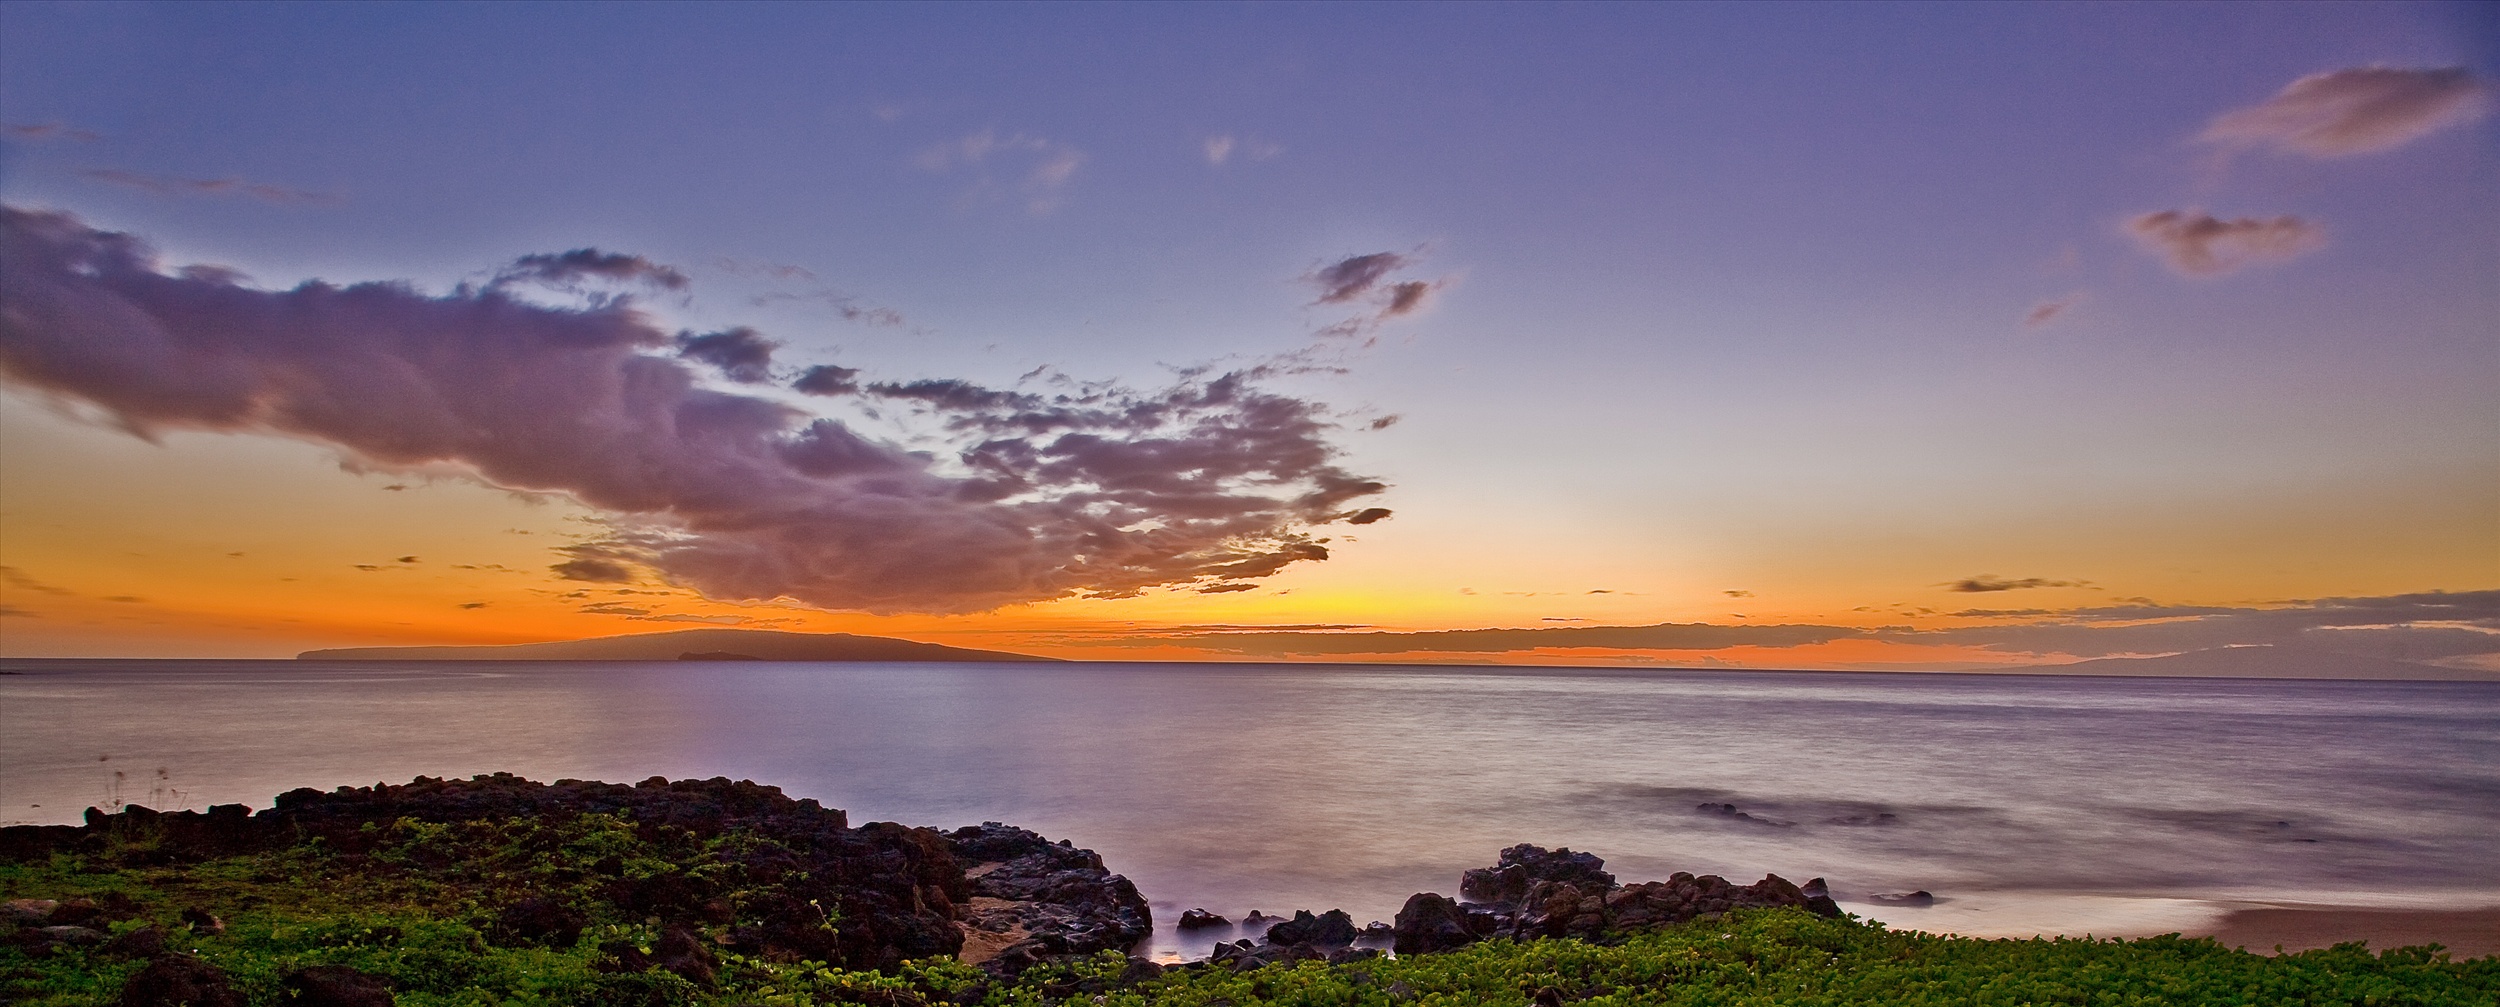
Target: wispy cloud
571,269
1663,636
1224,147
1078,489
2357,110
18,579
1365,280
2424,626
1035,168
39,132
169,185
2049,311
2418,627
1991,582
2195,243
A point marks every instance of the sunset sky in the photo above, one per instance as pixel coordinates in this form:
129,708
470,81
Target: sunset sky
1787,336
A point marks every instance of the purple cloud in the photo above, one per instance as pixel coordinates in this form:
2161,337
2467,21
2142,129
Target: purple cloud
741,353
2200,244
1354,276
2357,110
44,131
1363,278
2049,311
566,269
1095,490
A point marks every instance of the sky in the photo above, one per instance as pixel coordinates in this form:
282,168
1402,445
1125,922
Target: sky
1787,336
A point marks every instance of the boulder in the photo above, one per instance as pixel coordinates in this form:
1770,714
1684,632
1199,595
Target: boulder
339,986
1199,919
145,942
1431,922
180,981
1819,899
1332,929
538,921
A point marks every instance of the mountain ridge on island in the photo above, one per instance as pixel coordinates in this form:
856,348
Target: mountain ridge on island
686,645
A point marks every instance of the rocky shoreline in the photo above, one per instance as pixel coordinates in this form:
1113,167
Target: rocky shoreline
783,879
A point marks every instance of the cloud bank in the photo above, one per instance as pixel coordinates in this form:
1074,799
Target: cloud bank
1095,490
2412,627
2199,244
2358,110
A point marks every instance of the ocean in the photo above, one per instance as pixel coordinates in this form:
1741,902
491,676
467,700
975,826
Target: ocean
2025,804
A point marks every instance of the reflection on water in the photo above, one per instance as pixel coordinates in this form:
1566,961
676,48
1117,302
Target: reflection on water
1279,788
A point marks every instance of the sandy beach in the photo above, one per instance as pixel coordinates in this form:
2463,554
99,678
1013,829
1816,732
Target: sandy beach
2466,933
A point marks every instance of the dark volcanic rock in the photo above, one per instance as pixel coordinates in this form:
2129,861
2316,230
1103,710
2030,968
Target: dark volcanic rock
180,981
1819,899
895,889
1197,919
1431,922
1242,956
1523,866
1921,897
339,986
201,921
678,950
1061,898
1332,929
145,942
541,921
1534,893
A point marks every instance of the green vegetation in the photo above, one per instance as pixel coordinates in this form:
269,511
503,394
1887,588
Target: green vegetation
429,907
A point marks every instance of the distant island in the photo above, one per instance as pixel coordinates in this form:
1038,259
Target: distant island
686,645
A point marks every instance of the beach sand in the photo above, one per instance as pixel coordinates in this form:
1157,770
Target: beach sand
2467,933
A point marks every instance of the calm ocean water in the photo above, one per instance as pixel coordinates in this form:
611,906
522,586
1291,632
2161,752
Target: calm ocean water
2028,804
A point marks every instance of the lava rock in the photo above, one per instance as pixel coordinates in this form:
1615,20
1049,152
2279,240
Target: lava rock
1922,897
1521,867
145,942
1333,929
180,981
1819,899
541,921
201,921
340,986
1197,919
1062,897
1431,922
896,889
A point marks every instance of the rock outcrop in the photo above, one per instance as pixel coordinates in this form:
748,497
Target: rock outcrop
1533,892
1522,867
895,892
1032,900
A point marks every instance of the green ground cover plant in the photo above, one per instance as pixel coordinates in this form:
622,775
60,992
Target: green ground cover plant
429,908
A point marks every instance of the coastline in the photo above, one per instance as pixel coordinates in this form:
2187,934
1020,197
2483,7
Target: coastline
2466,933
